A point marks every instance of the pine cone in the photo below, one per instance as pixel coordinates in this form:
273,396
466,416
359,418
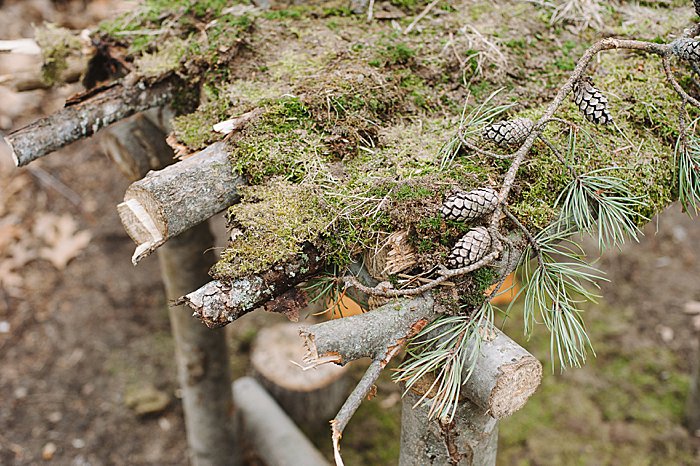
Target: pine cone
466,206
471,248
591,102
509,132
687,49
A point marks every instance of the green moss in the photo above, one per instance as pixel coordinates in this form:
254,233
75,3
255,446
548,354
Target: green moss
281,216
57,45
282,142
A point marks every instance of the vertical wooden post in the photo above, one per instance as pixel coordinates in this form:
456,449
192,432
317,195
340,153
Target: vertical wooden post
137,146
692,406
470,439
505,376
201,353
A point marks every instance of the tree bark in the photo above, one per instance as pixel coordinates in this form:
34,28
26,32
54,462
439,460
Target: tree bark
169,201
311,398
136,146
86,117
218,303
470,439
269,431
201,353
137,135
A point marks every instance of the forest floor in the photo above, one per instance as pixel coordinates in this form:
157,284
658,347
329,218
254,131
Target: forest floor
84,336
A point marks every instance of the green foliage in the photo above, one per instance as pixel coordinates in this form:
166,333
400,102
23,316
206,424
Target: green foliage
688,161
601,203
445,352
554,288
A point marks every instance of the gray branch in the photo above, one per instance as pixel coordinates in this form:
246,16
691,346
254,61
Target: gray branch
169,201
218,303
86,117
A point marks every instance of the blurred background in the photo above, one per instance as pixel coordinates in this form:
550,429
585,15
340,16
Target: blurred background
87,374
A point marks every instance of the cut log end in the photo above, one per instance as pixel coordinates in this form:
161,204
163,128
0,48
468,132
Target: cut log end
517,382
147,232
15,158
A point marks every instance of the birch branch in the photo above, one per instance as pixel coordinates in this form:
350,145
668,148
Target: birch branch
218,303
169,201
84,118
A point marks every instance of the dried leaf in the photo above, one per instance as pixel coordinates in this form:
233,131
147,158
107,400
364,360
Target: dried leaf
63,240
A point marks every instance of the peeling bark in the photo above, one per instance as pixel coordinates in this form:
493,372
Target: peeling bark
218,303
86,117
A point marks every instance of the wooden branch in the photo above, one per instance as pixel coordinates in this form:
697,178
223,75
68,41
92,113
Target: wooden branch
201,354
504,377
218,303
167,202
364,335
471,439
86,117
379,334
272,435
136,146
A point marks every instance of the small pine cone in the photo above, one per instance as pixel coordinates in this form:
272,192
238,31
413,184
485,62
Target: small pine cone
466,206
687,49
471,248
509,132
591,102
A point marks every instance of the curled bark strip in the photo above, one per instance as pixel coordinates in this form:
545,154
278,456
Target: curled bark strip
85,118
169,201
218,303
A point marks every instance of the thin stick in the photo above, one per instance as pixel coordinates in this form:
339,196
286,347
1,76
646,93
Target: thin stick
421,16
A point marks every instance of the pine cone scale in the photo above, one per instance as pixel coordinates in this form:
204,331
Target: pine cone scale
592,103
463,206
471,248
509,132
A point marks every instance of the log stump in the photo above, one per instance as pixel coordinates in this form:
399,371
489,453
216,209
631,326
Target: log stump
311,397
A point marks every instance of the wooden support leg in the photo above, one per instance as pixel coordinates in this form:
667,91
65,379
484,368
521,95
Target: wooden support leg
470,439
201,353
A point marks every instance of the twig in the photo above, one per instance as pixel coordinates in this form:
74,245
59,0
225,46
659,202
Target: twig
54,183
353,402
370,11
520,155
676,86
445,274
559,156
420,16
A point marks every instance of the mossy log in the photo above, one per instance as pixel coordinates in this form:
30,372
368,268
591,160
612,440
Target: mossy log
86,116
311,398
265,427
169,201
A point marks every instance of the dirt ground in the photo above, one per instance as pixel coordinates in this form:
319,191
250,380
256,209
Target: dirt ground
82,331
